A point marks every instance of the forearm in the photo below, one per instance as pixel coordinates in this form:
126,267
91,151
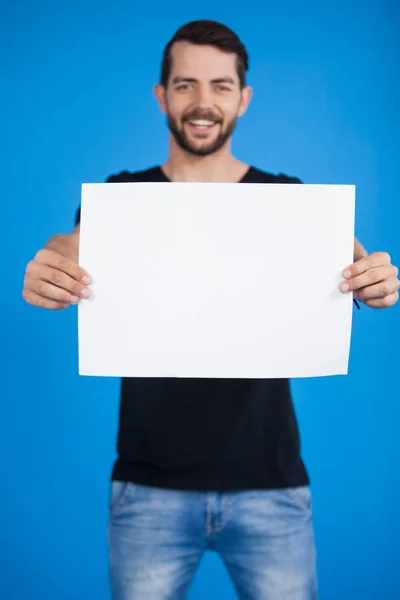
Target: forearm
359,250
65,244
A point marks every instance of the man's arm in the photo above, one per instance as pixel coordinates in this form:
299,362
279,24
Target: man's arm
359,250
372,278
53,279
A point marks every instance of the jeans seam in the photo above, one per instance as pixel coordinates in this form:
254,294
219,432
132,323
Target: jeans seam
225,515
209,528
303,506
119,500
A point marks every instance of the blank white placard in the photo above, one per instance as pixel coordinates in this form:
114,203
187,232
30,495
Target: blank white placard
215,280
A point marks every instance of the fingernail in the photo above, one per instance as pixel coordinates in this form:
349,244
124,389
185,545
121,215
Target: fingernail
85,293
74,299
86,279
355,295
346,274
345,287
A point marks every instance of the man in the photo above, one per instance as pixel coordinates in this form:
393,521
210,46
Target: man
205,464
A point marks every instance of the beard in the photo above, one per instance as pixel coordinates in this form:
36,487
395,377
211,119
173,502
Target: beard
208,147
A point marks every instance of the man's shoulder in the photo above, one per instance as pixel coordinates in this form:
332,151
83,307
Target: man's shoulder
151,174
256,175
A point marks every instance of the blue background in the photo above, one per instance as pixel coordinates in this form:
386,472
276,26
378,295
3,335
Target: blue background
77,105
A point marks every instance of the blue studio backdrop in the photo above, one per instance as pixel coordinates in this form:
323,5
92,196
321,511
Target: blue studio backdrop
77,105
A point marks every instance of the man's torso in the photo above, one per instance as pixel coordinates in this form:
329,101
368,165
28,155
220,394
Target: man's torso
207,434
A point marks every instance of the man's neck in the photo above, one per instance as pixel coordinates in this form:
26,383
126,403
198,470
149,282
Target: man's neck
218,167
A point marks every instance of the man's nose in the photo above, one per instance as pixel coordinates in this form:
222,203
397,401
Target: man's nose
204,96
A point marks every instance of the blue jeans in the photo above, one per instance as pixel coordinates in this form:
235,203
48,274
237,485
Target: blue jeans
157,538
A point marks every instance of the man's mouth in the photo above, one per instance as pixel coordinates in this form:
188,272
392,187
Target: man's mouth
201,125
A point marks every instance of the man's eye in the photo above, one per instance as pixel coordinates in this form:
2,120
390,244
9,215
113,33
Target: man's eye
223,88
183,87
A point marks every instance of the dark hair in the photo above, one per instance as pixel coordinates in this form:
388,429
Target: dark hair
208,33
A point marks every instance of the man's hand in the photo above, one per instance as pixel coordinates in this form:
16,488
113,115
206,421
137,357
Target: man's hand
53,278
372,278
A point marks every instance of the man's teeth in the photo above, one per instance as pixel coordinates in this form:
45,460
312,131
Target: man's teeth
202,123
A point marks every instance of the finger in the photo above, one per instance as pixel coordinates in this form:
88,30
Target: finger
36,300
377,259
385,302
49,291
61,263
379,290
37,271
369,278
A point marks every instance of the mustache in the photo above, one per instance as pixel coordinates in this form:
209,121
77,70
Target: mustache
205,115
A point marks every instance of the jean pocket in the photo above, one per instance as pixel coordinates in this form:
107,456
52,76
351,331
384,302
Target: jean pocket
119,493
301,496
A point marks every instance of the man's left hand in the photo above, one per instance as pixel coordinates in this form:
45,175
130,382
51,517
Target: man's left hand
372,279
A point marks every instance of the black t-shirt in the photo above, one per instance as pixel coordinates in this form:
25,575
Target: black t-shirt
207,434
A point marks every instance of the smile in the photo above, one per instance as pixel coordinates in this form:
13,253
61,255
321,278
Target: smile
201,125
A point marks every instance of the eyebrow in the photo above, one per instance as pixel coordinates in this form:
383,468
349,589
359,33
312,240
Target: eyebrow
192,80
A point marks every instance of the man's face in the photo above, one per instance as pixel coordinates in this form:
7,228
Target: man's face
203,98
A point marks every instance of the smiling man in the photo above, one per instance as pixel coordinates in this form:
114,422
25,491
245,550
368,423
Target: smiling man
205,464
201,131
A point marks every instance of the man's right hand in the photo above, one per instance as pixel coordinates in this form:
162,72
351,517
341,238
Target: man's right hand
53,279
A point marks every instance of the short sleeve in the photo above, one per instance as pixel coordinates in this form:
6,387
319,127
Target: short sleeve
109,179
78,216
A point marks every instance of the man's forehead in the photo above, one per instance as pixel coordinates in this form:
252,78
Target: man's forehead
189,60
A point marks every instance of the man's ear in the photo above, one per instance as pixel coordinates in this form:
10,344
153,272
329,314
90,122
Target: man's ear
247,94
159,92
